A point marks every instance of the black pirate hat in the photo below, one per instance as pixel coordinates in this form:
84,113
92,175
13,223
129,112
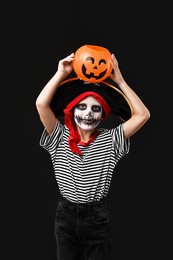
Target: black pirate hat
71,88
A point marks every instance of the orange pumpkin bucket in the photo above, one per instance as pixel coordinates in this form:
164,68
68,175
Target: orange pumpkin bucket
92,63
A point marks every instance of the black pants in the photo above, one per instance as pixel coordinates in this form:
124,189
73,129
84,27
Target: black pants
82,230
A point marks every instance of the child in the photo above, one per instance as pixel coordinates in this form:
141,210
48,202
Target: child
84,156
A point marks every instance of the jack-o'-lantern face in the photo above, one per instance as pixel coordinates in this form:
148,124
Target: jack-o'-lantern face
92,63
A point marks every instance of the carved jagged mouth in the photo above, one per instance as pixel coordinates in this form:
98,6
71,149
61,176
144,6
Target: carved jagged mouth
88,121
92,75
85,121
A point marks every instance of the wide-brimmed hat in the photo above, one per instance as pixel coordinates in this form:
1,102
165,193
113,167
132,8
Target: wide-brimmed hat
70,88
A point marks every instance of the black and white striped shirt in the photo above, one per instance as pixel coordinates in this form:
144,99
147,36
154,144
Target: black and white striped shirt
85,178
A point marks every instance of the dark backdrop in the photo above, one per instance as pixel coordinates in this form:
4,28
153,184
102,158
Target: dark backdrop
34,37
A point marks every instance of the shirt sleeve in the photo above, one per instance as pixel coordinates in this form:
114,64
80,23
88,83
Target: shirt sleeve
121,145
51,142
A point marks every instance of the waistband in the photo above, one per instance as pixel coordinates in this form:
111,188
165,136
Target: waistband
85,205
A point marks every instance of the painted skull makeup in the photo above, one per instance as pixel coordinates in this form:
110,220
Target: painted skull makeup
88,113
74,137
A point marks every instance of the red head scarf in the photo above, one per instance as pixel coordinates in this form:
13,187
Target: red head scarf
74,137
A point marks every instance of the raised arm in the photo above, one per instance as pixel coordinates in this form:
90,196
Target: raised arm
140,112
43,101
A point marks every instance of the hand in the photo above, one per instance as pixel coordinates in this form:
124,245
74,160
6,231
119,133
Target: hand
116,75
65,65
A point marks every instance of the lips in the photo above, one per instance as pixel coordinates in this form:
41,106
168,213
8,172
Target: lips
87,121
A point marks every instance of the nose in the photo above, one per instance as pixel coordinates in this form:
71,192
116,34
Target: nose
89,114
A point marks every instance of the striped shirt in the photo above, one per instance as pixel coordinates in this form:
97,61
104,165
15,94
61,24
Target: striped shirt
85,178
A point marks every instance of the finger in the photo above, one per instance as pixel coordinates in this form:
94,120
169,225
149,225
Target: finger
113,56
71,55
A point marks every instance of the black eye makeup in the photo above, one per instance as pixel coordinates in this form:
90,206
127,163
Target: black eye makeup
83,106
96,108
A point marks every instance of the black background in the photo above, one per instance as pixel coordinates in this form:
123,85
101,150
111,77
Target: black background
34,37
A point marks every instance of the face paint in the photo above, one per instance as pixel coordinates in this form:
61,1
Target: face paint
88,113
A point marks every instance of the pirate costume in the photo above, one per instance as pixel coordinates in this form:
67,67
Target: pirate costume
83,171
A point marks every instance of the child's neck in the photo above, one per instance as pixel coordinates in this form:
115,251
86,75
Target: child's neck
85,135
